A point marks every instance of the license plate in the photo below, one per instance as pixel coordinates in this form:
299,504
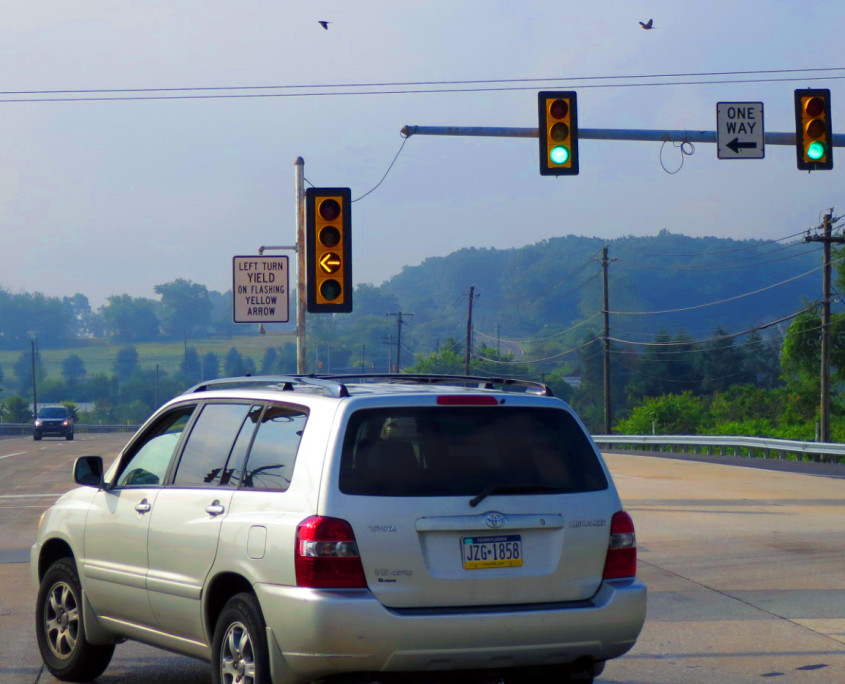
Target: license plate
502,551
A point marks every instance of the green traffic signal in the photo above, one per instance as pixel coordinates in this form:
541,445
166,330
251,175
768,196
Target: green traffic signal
559,154
816,150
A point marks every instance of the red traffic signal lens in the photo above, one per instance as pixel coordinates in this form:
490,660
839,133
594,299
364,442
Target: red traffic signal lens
329,209
559,109
814,106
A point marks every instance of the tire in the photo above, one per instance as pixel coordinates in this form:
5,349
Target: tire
59,628
239,650
36,436
69,436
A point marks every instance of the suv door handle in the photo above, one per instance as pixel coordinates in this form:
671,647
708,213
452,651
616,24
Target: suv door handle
143,507
216,508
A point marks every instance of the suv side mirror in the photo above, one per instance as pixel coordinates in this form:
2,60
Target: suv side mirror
88,471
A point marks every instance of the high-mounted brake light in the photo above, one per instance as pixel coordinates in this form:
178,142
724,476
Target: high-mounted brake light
326,554
622,552
466,400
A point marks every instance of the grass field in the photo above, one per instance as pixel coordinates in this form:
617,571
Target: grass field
99,355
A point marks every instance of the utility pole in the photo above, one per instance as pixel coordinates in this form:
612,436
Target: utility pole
399,323
33,346
299,191
469,331
606,340
824,382
389,342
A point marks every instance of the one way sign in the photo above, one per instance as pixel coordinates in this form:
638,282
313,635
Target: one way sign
739,130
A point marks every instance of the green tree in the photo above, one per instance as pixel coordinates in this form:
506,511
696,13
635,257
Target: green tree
669,414
185,307
233,364
131,319
760,361
125,363
15,409
23,371
191,367
210,366
721,363
73,368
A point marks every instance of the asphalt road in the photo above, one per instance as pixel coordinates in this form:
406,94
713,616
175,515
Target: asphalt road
745,569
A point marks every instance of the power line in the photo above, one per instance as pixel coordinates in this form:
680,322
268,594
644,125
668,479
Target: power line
724,301
728,251
714,338
739,263
405,87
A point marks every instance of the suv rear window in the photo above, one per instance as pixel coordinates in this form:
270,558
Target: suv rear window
439,451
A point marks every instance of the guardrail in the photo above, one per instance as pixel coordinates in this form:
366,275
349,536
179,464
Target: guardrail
26,428
754,447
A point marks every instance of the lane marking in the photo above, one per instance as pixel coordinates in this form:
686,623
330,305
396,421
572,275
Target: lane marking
30,496
17,453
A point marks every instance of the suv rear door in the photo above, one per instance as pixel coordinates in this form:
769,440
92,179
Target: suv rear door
491,504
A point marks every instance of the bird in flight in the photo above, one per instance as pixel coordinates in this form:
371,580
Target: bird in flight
647,25
325,24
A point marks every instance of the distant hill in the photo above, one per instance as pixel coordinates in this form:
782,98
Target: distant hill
555,284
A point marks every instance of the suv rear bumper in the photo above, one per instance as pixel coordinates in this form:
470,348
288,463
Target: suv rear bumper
321,632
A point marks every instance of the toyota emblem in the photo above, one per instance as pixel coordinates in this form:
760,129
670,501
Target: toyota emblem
495,520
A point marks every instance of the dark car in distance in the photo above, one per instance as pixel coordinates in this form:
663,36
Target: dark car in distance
53,420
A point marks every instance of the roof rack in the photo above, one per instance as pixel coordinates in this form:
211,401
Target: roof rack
504,384
285,383
335,385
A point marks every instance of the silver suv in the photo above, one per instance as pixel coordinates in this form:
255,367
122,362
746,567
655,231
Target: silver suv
388,528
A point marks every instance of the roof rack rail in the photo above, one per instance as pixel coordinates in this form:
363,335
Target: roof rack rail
285,383
505,384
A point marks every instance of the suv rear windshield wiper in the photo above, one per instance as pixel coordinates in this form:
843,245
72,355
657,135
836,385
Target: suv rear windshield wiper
513,489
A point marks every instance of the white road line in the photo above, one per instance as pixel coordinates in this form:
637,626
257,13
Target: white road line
30,496
17,453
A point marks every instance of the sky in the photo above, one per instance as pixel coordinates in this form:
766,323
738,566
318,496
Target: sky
114,197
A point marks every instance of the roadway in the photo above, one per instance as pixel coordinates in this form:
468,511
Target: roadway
745,569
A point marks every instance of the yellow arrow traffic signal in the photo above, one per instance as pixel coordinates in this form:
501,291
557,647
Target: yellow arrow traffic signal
328,250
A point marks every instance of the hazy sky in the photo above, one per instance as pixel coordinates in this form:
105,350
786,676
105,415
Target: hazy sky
115,197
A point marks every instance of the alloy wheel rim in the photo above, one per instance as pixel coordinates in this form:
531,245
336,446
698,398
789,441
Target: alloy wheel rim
237,660
61,620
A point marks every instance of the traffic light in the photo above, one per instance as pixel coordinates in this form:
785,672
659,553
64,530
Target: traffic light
813,135
328,250
558,112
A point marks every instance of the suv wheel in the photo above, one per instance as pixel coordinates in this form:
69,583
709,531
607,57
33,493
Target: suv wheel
36,436
239,651
69,436
60,630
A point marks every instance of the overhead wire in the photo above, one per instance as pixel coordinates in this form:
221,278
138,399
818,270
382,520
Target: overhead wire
407,87
728,299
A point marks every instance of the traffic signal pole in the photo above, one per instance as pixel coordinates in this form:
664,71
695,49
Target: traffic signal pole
643,135
299,191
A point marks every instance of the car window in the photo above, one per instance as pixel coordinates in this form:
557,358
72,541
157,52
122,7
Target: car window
273,452
53,412
438,451
207,449
234,470
148,465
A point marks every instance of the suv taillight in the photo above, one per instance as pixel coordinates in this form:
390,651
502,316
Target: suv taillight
326,554
622,552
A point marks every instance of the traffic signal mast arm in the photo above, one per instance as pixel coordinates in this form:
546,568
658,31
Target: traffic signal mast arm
770,138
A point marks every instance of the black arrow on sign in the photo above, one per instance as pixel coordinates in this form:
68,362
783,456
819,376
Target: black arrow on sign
736,146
